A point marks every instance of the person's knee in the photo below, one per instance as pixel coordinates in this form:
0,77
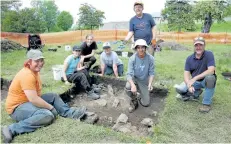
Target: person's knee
93,59
128,86
210,81
45,117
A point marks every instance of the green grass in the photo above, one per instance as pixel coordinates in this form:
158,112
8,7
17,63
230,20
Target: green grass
179,122
216,27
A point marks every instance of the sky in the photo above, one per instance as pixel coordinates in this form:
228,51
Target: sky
115,10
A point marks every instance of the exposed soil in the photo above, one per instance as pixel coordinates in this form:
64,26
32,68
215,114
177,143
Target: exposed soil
8,45
109,114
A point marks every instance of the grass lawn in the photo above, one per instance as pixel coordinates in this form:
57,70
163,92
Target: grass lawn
216,27
179,122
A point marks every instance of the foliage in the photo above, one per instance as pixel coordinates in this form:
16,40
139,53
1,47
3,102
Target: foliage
179,15
48,12
64,20
23,21
214,10
90,17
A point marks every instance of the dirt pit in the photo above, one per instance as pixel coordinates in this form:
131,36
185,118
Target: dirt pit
112,108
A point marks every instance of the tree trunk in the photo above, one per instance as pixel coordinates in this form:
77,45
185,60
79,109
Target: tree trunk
207,23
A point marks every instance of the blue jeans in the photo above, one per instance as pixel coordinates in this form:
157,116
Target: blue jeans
30,117
109,70
207,95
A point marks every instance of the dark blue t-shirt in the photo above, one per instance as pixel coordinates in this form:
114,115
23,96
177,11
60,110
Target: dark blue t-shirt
197,66
142,27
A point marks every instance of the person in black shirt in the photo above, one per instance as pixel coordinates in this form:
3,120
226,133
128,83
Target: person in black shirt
88,51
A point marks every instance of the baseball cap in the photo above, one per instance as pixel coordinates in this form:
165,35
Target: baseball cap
139,3
199,40
76,48
140,42
34,54
106,45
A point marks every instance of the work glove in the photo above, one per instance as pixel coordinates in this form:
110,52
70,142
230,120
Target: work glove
54,112
154,43
124,42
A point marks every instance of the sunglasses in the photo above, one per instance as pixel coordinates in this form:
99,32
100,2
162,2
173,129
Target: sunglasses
199,38
78,50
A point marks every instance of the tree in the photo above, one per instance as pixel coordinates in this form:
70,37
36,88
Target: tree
6,6
10,23
178,13
90,17
22,21
209,11
48,12
64,20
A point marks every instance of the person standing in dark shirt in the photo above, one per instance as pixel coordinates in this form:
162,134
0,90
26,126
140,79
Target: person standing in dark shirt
88,51
142,26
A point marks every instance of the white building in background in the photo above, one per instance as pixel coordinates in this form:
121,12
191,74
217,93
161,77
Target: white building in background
124,25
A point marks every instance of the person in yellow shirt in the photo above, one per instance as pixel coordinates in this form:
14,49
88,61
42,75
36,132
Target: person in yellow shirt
26,105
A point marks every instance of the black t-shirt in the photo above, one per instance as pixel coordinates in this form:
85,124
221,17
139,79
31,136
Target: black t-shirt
86,50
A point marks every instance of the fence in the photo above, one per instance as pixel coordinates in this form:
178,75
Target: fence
111,35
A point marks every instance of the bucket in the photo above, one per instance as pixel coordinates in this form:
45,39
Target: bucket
67,47
57,71
124,54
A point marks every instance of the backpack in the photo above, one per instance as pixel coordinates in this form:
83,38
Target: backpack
34,42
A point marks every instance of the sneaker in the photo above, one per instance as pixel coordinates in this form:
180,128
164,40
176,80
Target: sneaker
133,105
205,108
7,135
87,64
91,94
179,89
78,112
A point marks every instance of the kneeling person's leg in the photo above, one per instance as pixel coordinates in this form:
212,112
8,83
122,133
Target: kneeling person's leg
120,69
209,84
145,97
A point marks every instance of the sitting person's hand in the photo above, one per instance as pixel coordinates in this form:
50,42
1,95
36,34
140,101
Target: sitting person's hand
67,83
54,112
100,74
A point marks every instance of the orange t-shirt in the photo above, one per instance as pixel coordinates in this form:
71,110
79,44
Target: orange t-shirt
25,79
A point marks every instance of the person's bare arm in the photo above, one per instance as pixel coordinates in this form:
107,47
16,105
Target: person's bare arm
129,35
154,32
65,65
209,71
33,97
187,76
80,64
115,70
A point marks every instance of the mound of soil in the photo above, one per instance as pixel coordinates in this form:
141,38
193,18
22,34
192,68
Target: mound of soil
8,45
173,46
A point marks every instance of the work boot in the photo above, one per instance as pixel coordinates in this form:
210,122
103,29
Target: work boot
7,135
87,64
96,88
78,113
205,108
91,94
91,117
133,105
